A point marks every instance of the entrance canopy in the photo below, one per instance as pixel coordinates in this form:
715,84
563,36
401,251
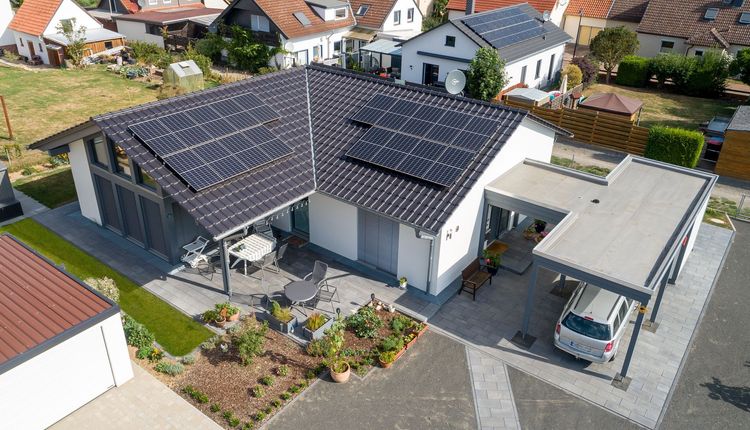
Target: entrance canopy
621,232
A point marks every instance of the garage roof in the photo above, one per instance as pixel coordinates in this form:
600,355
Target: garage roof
622,229
41,305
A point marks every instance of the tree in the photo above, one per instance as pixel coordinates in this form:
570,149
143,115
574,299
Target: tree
741,65
438,16
486,75
76,38
574,74
611,45
589,68
245,52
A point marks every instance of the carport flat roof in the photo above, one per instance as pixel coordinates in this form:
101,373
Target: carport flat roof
644,209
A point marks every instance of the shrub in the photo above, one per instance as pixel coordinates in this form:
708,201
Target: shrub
633,71
234,422
28,171
315,321
267,380
59,160
387,356
282,370
589,69
392,343
136,334
282,314
266,70
171,369
248,426
258,391
250,342
302,383
574,74
294,389
709,75
195,394
210,343
275,403
106,286
669,66
310,374
143,352
674,145
150,54
317,347
202,61
285,396
401,323
226,309
365,323
211,46
259,416
188,359
245,52
486,75
268,410
215,407
741,65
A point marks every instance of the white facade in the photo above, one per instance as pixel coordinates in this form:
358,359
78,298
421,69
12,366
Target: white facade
215,4
333,225
80,167
28,45
305,50
403,28
133,30
585,28
41,391
6,15
459,56
556,14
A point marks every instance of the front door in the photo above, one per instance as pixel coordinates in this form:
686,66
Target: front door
30,44
431,74
378,242
110,215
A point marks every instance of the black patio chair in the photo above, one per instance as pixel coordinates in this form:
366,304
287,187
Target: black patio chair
326,292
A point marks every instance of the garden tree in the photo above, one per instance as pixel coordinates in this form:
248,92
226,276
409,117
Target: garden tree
486,75
439,15
76,39
611,45
589,69
741,65
574,74
709,74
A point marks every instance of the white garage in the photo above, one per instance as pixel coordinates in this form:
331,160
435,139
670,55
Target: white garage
61,343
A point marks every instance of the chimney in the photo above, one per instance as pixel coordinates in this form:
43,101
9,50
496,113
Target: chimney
469,7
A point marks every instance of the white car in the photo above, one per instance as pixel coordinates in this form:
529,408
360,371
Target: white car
593,323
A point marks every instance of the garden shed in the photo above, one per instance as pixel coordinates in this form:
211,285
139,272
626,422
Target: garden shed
528,96
61,343
614,103
184,74
734,159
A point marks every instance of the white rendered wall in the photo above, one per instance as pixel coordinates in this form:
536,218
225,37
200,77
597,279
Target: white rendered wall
573,21
405,29
215,4
650,45
693,235
137,31
513,70
83,181
46,388
530,140
413,257
6,15
67,10
308,42
434,42
285,222
333,225
24,50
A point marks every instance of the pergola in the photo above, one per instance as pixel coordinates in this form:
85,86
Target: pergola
628,233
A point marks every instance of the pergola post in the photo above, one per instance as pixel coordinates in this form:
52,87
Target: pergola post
562,282
662,286
224,256
621,379
680,257
523,338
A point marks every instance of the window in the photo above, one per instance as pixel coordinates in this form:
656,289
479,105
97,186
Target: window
146,180
551,67
538,72
20,39
450,41
666,46
698,53
337,48
745,18
341,13
259,23
587,328
523,74
397,17
153,29
317,52
98,149
122,162
362,10
410,15
108,44
153,2
167,1
711,14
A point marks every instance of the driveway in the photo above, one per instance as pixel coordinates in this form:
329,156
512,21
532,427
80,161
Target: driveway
141,403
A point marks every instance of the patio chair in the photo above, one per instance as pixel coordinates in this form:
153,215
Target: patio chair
278,255
263,264
326,293
194,252
262,227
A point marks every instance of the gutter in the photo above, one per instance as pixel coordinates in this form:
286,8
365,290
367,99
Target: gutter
423,235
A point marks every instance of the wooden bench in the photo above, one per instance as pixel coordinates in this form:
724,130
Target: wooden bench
473,278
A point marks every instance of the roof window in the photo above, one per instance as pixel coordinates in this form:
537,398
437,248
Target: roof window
745,18
362,10
302,19
711,13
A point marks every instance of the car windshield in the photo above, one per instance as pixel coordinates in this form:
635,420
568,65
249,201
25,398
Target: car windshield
586,327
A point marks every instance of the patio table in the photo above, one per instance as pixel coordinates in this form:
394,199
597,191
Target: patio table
300,292
251,248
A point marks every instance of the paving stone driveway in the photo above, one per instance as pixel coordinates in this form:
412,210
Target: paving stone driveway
490,322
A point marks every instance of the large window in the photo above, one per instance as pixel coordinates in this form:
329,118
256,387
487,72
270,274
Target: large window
410,15
98,148
259,23
666,46
122,162
397,17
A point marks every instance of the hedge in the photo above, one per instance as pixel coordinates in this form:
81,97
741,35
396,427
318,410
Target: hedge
674,145
633,71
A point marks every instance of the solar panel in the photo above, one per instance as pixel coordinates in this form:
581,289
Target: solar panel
427,142
505,27
211,143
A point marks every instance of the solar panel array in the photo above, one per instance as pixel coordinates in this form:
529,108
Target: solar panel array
212,143
504,27
426,142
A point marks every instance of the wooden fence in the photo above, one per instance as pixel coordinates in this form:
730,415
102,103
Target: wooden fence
596,128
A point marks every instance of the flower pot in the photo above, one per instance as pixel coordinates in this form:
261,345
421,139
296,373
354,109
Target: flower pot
343,376
319,333
492,270
539,227
402,285
220,322
235,317
284,327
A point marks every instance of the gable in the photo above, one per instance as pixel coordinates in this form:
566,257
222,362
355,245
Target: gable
34,16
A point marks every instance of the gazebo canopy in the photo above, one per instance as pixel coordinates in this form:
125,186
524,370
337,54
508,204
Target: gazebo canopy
613,103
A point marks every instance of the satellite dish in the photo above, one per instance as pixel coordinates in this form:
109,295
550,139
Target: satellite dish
545,16
455,81
141,3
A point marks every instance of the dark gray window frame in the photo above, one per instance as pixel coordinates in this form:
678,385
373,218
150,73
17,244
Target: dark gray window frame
450,41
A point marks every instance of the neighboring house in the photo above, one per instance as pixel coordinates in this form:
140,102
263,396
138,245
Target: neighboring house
190,22
7,41
309,31
533,49
108,10
61,343
390,19
373,195
556,8
584,19
36,33
691,27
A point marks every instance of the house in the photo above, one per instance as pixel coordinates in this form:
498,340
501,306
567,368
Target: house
62,343
308,30
186,22
321,160
388,19
584,19
556,8
35,29
531,47
107,10
7,41
694,26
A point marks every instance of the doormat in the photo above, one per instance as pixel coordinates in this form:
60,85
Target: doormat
296,241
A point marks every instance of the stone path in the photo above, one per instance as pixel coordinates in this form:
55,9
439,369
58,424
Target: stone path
496,409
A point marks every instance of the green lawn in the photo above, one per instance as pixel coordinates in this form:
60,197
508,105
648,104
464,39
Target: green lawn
664,108
174,331
52,189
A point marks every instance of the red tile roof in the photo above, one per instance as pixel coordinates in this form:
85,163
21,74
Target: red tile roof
376,14
590,8
282,14
485,5
38,301
34,16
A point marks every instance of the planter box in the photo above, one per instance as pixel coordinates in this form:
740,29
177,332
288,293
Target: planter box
284,327
319,333
419,334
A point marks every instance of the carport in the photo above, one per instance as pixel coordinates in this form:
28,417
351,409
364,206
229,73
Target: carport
629,232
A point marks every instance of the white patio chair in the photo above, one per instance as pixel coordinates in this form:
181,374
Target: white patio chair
194,252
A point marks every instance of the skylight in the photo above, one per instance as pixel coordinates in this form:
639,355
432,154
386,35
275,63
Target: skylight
711,13
363,10
745,18
302,18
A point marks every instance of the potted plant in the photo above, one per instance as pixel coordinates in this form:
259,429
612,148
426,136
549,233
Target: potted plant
539,225
282,318
229,312
386,358
491,261
403,282
211,316
390,349
340,370
316,325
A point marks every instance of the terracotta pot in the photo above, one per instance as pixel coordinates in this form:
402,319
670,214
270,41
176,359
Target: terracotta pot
235,317
343,376
220,323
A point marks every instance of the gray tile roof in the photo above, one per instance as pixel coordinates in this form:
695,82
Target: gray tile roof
552,36
334,95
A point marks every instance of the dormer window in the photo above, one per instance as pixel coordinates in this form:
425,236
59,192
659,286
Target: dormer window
745,18
341,13
711,14
362,10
